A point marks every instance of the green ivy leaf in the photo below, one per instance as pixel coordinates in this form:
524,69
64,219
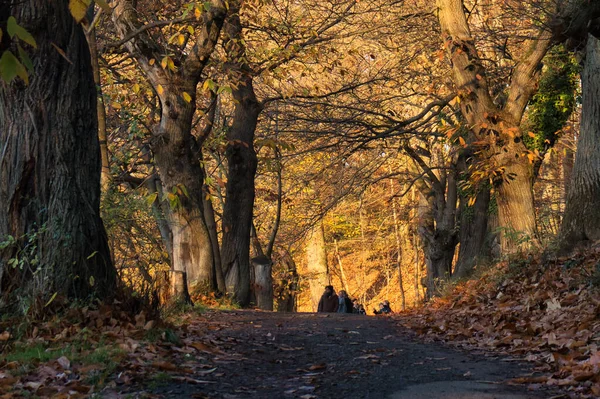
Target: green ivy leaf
10,67
25,59
14,29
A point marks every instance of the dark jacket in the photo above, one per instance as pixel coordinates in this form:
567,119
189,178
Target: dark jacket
328,304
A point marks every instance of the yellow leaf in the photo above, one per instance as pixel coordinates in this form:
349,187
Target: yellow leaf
152,61
171,64
164,62
462,142
197,12
190,29
136,88
78,9
187,97
181,39
116,105
104,5
160,89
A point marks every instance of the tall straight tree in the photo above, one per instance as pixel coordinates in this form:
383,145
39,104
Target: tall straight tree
497,125
176,151
241,163
50,163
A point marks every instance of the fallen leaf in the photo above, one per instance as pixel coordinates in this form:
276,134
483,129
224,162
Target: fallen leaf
64,362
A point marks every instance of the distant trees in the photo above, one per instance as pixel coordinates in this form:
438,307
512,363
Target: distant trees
52,240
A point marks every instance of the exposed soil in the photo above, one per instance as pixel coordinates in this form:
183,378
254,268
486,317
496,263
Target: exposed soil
250,354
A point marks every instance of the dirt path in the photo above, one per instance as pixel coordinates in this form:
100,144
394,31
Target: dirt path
251,354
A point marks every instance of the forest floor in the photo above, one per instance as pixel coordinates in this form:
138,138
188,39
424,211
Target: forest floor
306,355
525,328
250,354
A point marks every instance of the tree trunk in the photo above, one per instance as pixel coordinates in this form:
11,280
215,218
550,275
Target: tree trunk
105,176
582,215
472,233
316,260
209,216
239,200
497,127
437,222
241,167
341,265
263,282
50,164
176,154
286,298
160,215
398,246
181,176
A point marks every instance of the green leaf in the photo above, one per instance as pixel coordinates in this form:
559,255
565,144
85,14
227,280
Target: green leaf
25,58
11,25
14,29
10,67
151,198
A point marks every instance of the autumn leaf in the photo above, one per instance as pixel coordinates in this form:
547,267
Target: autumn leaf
79,8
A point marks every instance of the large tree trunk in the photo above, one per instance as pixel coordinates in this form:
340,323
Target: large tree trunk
316,262
472,233
50,164
181,176
176,153
241,168
582,215
497,127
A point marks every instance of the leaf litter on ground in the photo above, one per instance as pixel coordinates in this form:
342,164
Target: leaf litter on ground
539,309
108,351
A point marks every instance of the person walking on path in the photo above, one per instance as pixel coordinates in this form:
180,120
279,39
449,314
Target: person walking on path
329,302
345,304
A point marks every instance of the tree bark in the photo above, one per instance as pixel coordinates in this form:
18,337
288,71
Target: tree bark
176,153
472,233
316,261
105,176
50,165
161,213
288,287
211,225
498,128
398,246
582,215
437,221
241,167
